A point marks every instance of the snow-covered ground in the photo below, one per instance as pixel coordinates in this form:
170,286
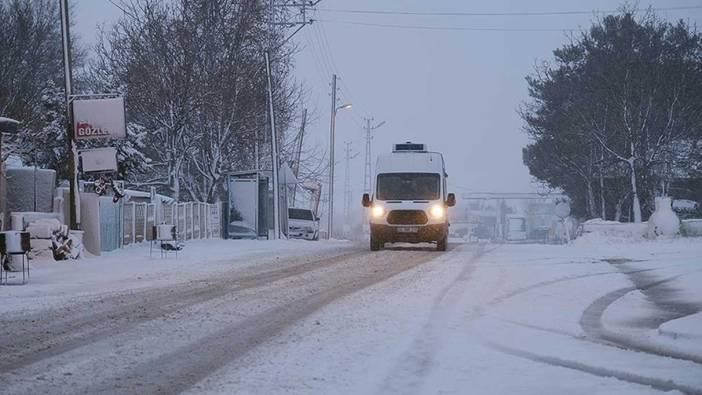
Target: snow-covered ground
136,266
599,316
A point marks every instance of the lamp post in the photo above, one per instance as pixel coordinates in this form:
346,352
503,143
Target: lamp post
332,137
7,125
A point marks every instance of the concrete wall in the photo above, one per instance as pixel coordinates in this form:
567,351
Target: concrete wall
90,221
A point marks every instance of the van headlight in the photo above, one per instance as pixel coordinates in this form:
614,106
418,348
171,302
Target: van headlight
377,211
437,211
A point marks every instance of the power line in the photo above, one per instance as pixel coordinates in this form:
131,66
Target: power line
324,42
325,48
528,13
319,64
449,28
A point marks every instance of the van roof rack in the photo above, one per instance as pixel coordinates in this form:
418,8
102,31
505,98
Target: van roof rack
409,147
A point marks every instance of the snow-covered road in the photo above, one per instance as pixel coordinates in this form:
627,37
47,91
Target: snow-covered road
335,318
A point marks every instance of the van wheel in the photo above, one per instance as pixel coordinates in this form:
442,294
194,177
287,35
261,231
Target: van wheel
375,243
442,243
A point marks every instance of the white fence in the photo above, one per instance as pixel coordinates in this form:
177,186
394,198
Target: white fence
192,220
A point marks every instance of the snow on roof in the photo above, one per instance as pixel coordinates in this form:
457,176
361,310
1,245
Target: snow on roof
131,193
685,204
410,162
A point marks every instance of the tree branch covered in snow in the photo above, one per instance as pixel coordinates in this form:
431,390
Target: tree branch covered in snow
194,78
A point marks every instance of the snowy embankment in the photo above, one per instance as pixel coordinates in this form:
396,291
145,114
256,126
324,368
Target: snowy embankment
134,267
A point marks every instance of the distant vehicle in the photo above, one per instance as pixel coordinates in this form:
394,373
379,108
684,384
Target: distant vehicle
241,230
302,224
409,203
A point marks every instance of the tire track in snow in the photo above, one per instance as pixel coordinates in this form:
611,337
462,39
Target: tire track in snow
44,335
661,385
182,368
546,283
591,322
408,375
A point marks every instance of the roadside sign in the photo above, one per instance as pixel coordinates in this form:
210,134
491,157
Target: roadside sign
562,210
98,159
99,118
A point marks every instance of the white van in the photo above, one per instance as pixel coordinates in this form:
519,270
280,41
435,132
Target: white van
409,202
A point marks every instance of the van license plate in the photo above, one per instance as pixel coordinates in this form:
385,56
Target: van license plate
407,229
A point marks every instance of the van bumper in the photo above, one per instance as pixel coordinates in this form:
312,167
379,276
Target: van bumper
395,233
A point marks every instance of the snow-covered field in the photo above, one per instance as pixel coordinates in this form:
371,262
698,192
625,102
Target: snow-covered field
598,316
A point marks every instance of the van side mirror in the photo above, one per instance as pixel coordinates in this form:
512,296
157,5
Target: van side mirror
451,200
366,200
316,219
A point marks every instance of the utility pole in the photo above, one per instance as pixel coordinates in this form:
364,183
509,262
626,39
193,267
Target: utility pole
274,153
367,184
74,220
347,181
332,137
272,45
298,153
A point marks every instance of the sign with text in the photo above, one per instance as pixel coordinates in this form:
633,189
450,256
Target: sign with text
99,118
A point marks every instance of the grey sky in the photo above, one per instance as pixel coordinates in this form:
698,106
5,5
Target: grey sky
458,91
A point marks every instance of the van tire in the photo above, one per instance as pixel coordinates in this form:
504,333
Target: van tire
442,243
375,243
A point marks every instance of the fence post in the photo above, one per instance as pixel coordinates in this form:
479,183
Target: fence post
146,219
207,221
133,223
192,221
175,218
201,217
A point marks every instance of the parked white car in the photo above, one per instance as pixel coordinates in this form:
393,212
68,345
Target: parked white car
302,224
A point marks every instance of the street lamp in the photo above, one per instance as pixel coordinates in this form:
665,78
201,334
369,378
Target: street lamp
7,125
332,138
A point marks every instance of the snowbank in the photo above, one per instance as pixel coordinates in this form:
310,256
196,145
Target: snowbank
601,231
692,227
689,327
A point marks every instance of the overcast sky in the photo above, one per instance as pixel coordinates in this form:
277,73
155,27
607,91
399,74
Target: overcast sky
457,91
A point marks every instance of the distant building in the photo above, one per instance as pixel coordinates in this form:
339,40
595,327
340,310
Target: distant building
506,216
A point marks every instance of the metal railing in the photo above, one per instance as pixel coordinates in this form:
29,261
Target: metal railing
193,220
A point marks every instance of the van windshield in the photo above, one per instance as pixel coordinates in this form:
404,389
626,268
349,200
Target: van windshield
299,213
408,186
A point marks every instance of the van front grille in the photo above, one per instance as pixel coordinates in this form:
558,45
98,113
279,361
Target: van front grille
407,217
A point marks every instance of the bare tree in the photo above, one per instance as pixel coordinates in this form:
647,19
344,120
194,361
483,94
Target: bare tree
194,79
